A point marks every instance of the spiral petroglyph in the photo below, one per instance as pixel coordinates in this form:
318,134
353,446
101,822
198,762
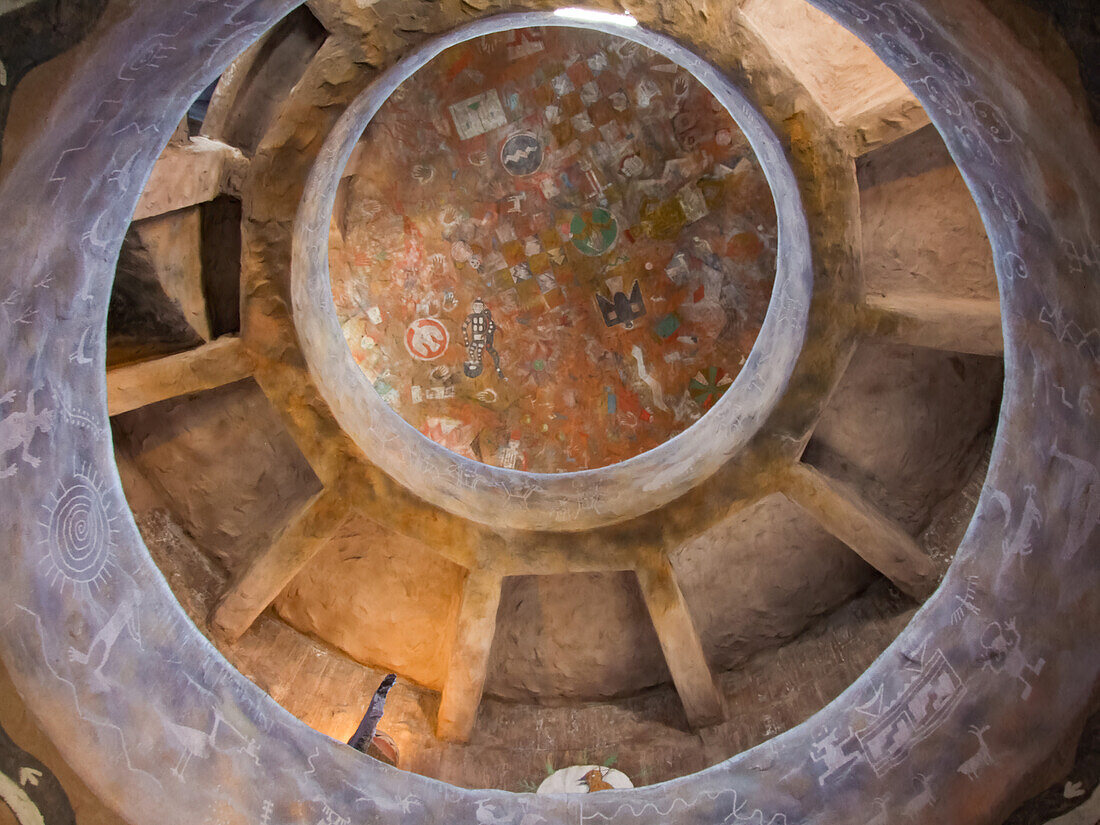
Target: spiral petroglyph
79,532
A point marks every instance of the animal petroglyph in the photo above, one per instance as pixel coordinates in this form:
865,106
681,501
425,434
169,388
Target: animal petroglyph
916,806
18,429
982,759
1018,533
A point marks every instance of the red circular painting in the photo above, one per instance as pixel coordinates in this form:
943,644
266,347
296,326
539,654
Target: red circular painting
426,339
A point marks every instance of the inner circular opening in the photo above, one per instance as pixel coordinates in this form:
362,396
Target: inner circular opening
552,250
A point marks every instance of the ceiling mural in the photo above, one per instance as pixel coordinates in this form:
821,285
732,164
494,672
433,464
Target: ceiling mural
553,250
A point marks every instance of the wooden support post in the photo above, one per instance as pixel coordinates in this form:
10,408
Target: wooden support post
274,568
469,662
951,324
681,644
212,365
878,540
190,174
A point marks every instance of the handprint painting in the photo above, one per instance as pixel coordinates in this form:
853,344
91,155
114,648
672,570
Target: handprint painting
552,250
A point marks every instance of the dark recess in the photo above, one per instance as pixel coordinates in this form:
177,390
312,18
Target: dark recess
34,33
221,264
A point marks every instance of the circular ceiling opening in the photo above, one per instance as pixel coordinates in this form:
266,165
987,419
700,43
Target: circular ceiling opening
553,249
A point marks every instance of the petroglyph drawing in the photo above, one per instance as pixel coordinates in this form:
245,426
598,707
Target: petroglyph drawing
895,724
972,767
1085,491
967,607
124,619
1017,540
79,531
1003,654
915,807
18,430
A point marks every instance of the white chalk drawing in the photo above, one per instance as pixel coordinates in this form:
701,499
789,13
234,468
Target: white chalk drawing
269,808
331,817
895,724
87,714
990,117
1018,535
1084,492
973,766
487,814
914,809
79,355
950,67
883,814
17,312
967,606
18,430
740,809
1003,655
197,743
1087,256
1068,331
903,20
942,96
79,532
1015,268
1007,203
124,619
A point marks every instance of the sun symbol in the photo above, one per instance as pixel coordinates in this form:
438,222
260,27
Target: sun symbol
79,533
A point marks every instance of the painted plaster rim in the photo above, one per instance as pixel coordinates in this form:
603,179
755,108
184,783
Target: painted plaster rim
542,501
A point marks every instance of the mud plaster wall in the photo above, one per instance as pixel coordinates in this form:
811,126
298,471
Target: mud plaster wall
224,464
921,230
394,606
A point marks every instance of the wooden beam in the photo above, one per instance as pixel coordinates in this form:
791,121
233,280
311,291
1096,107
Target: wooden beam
469,662
274,568
220,362
190,174
681,644
878,540
953,324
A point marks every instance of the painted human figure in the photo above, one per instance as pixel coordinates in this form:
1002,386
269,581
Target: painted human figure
477,334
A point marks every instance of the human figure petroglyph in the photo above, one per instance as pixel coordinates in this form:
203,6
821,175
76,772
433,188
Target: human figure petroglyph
1003,654
123,619
836,753
478,331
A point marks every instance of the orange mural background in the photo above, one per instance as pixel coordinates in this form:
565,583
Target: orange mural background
567,205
